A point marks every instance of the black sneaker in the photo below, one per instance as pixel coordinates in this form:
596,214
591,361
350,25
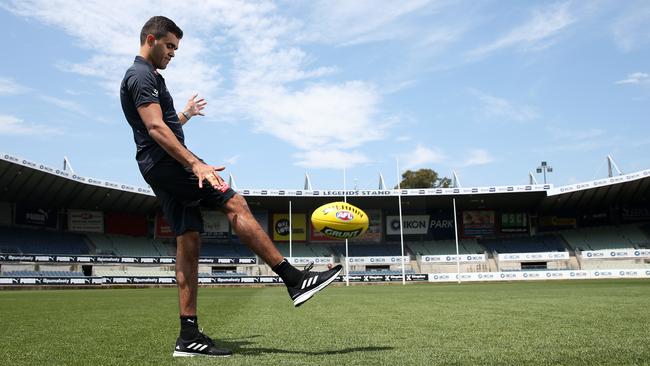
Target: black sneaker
311,283
202,345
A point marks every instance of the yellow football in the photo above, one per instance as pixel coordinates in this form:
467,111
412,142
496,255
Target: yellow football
340,220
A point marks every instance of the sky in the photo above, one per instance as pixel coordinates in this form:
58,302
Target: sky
486,89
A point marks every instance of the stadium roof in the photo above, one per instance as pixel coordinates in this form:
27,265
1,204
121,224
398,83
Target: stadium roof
35,184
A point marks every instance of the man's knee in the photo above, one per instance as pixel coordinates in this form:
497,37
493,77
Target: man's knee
189,242
236,205
189,237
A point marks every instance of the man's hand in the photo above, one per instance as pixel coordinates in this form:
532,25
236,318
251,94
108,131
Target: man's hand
209,173
195,106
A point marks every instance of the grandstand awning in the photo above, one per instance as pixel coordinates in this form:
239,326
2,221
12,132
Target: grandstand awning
26,182
599,195
40,186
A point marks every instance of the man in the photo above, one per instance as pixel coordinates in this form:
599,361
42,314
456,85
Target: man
183,184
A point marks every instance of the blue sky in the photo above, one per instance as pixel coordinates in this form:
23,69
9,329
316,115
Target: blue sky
488,89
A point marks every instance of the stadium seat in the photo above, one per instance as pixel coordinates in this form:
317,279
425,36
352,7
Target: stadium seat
42,274
38,241
525,244
606,237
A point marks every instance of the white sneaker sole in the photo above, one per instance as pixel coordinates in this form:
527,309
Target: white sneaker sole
307,295
191,354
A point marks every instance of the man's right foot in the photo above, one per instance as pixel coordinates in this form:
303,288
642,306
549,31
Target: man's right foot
311,283
202,345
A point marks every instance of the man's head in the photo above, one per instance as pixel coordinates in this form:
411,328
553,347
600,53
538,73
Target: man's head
159,39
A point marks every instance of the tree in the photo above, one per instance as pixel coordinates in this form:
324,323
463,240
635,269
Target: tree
424,178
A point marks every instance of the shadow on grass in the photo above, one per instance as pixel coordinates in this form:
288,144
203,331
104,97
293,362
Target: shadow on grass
243,346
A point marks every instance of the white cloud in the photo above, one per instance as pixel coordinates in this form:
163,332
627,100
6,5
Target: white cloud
630,30
562,133
362,21
66,104
494,107
330,159
635,78
539,32
425,157
10,125
422,157
581,140
232,160
270,79
117,24
478,157
10,87
333,116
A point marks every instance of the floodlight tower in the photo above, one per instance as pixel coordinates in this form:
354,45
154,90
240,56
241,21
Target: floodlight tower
544,168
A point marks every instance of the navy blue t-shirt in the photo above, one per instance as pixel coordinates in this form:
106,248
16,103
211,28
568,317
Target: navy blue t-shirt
141,85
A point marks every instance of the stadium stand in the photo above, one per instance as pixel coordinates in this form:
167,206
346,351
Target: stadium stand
132,271
123,245
304,250
613,264
42,274
525,244
606,237
380,272
367,250
155,272
646,230
225,249
37,241
444,247
221,274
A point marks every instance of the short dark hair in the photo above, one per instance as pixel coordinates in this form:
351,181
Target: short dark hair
159,26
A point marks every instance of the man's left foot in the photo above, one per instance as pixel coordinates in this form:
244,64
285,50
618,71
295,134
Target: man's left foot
311,283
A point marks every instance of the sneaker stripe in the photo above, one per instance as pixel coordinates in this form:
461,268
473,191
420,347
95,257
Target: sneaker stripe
304,284
308,294
203,347
191,345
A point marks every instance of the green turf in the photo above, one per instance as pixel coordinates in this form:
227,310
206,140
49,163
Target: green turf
532,323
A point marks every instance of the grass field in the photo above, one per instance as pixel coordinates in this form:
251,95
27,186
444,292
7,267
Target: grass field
525,323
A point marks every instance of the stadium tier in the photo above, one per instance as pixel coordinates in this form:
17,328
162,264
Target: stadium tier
53,220
31,241
220,274
606,237
133,271
42,274
445,247
129,246
230,250
367,250
646,231
525,244
304,250
382,272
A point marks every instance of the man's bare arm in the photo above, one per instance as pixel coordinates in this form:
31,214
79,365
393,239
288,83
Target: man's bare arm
151,115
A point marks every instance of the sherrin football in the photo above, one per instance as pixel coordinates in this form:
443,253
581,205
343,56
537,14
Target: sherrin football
340,220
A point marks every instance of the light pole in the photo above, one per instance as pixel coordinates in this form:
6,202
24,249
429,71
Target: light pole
544,168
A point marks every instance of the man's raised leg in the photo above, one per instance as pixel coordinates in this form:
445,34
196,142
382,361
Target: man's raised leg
249,231
302,285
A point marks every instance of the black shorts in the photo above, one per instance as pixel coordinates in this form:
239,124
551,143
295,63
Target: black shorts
177,189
